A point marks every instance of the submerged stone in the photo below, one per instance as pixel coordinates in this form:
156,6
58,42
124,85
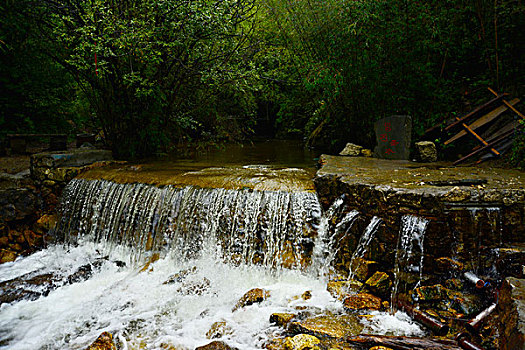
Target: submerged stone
281,319
103,342
379,283
340,289
329,326
181,275
256,295
363,301
216,345
302,342
363,269
218,330
448,265
7,255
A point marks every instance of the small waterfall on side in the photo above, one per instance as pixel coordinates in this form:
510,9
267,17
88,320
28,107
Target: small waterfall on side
410,247
272,228
322,240
364,243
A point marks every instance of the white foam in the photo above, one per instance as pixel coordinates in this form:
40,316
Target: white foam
398,324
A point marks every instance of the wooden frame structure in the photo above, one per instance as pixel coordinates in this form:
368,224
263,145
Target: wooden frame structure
481,116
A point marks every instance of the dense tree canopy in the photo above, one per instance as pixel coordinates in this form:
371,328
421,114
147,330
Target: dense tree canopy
155,73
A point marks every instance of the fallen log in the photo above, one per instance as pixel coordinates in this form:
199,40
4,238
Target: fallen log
403,343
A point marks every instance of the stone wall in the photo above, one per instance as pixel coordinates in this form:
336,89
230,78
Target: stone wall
28,199
473,224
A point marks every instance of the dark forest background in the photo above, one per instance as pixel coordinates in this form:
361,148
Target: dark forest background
155,74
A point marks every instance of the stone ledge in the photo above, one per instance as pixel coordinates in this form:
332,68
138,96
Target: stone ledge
511,308
76,158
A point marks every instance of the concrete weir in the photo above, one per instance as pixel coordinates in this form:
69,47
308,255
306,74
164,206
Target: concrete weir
476,215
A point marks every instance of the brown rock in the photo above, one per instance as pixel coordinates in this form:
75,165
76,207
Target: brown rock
302,342
363,269
215,345
256,295
379,283
446,265
103,342
218,330
46,223
341,289
4,241
511,307
32,238
328,326
281,319
7,256
362,301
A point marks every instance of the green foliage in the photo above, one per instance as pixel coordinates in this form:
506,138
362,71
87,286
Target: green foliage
362,60
35,93
147,66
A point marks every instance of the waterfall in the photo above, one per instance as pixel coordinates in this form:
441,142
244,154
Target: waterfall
325,245
410,243
272,228
364,243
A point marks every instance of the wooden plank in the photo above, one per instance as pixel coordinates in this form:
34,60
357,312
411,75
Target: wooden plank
492,143
478,137
483,120
508,127
475,111
508,105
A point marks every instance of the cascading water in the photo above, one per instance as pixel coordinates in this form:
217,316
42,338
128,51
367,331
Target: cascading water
250,226
410,247
364,243
214,245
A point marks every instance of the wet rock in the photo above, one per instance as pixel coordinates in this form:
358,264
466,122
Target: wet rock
426,151
328,326
7,255
454,284
216,345
351,150
511,261
181,275
362,301
339,289
256,295
466,304
287,255
281,319
195,287
430,293
103,342
511,307
379,283
302,342
448,265
218,330
305,296
363,269
33,240
45,223
17,204
74,158
367,152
